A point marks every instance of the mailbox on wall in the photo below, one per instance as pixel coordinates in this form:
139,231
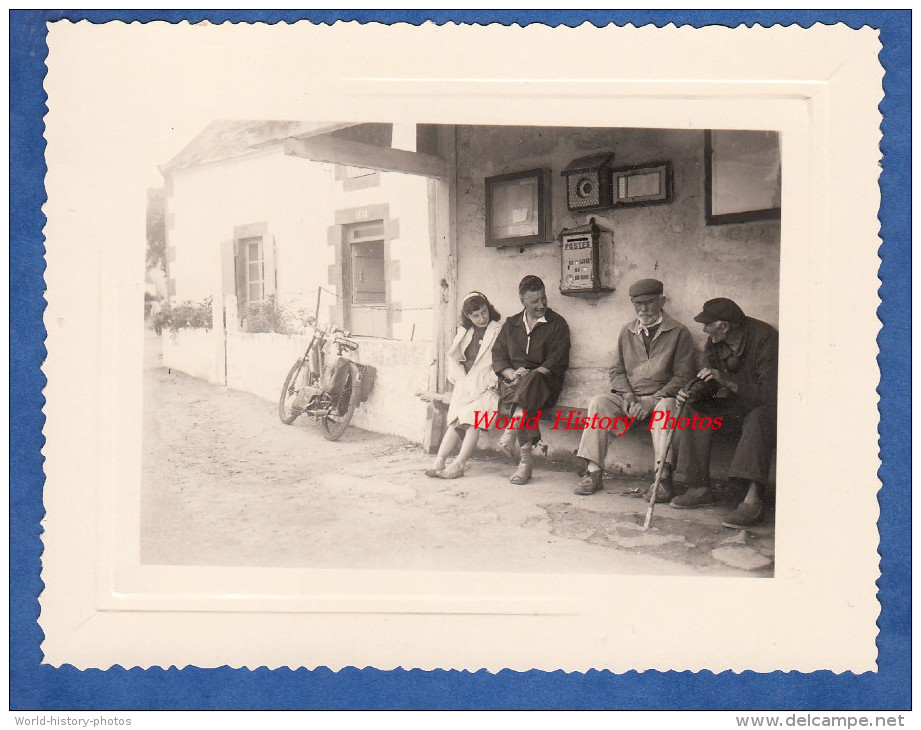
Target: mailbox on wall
580,259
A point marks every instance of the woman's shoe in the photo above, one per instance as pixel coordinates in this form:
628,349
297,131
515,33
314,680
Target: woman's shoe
450,472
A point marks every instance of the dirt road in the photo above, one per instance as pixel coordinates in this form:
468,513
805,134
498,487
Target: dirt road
226,483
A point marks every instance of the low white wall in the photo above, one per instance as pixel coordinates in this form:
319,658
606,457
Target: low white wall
402,371
258,363
196,352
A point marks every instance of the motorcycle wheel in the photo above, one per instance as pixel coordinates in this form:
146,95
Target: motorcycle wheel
286,410
343,408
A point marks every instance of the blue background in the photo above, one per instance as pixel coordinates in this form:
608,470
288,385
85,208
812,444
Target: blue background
37,687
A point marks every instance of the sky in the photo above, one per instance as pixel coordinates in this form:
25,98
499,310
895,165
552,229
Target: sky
164,141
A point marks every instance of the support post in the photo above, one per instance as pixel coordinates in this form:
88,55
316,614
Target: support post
219,341
231,320
443,233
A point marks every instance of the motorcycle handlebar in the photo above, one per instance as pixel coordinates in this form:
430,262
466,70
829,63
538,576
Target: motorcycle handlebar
334,333
332,329
347,344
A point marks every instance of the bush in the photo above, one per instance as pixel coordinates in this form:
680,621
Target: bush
188,315
270,316
264,316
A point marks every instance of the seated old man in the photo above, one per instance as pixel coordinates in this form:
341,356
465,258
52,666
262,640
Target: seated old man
739,385
654,359
530,355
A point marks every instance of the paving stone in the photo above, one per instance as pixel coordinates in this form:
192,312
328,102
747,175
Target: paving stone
648,540
738,537
745,558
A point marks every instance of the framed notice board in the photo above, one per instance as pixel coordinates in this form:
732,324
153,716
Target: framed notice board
518,208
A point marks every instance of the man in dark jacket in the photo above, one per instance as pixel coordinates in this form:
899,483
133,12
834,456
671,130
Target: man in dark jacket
530,356
740,385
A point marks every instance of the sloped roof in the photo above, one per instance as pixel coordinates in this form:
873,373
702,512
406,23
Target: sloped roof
224,139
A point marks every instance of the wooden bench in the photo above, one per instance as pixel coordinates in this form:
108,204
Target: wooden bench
442,400
436,419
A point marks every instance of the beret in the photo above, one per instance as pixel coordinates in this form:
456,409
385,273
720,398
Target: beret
720,310
646,288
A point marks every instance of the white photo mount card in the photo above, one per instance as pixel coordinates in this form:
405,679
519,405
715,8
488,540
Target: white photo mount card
186,526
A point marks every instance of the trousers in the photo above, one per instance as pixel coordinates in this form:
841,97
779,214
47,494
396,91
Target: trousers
534,392
594,443
751,460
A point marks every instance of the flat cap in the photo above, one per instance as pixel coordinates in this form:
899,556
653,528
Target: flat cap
646,289
720,310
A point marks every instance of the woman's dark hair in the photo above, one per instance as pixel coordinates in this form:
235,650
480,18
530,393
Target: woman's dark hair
473,303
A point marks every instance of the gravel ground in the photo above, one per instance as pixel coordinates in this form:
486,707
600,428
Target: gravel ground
226,483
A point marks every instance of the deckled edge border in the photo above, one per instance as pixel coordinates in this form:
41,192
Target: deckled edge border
37,686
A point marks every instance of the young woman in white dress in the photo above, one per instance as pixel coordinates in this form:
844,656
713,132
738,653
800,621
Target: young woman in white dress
469,362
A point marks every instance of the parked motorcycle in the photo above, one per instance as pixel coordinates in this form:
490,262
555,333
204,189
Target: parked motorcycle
326,384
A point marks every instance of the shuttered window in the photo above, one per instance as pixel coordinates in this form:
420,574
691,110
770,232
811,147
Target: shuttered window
251,272
255,268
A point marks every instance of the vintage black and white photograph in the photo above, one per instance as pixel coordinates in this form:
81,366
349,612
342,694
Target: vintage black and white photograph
435,359
463,347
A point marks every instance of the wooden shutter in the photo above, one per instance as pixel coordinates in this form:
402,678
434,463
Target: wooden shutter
228,269
368,284
239,259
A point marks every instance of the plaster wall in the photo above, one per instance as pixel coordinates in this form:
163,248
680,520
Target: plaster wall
257,362
196,352
670,242
401,371
292,197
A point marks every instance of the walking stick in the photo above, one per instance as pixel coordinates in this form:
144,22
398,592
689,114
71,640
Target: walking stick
661,468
